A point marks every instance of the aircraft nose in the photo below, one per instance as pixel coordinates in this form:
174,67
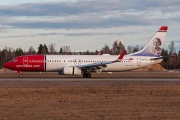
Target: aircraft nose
6,65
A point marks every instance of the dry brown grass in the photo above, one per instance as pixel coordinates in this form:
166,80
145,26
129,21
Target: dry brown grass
91,102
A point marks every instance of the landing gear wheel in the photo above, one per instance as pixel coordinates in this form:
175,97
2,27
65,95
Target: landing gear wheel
87,75
21,76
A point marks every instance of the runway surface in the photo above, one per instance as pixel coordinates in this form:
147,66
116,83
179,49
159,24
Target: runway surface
115,75
87,82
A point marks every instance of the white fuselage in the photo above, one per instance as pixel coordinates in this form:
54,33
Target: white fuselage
57,62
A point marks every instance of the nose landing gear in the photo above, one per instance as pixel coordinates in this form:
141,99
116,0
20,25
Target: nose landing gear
87,75
20,75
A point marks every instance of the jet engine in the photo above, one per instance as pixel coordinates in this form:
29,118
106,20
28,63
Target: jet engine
71,71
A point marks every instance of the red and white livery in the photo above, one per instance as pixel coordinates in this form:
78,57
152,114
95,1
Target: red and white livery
86,64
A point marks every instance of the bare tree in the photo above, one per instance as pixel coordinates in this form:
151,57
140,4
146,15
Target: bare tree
121,47
31,50
12,51
66,49
52,49
118,47
106,50
129,49
114,49
171,47
6,53
172,53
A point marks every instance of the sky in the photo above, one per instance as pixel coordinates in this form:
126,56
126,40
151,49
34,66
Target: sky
86,24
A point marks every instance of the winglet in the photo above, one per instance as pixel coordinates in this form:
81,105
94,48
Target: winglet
121,56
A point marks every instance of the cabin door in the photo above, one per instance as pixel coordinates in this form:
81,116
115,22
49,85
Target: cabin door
139,62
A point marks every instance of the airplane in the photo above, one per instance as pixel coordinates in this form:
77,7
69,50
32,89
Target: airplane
86,64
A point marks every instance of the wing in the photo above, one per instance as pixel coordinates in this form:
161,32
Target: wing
100,65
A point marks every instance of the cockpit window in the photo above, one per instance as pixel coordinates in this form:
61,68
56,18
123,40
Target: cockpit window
14,60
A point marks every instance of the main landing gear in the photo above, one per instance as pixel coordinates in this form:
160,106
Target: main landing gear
87,75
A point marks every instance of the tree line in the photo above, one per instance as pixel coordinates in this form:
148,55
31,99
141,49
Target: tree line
171,61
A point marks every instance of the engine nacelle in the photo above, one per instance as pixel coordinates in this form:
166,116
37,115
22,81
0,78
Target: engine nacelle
71,71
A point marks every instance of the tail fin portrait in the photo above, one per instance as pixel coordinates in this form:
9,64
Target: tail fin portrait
154,46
